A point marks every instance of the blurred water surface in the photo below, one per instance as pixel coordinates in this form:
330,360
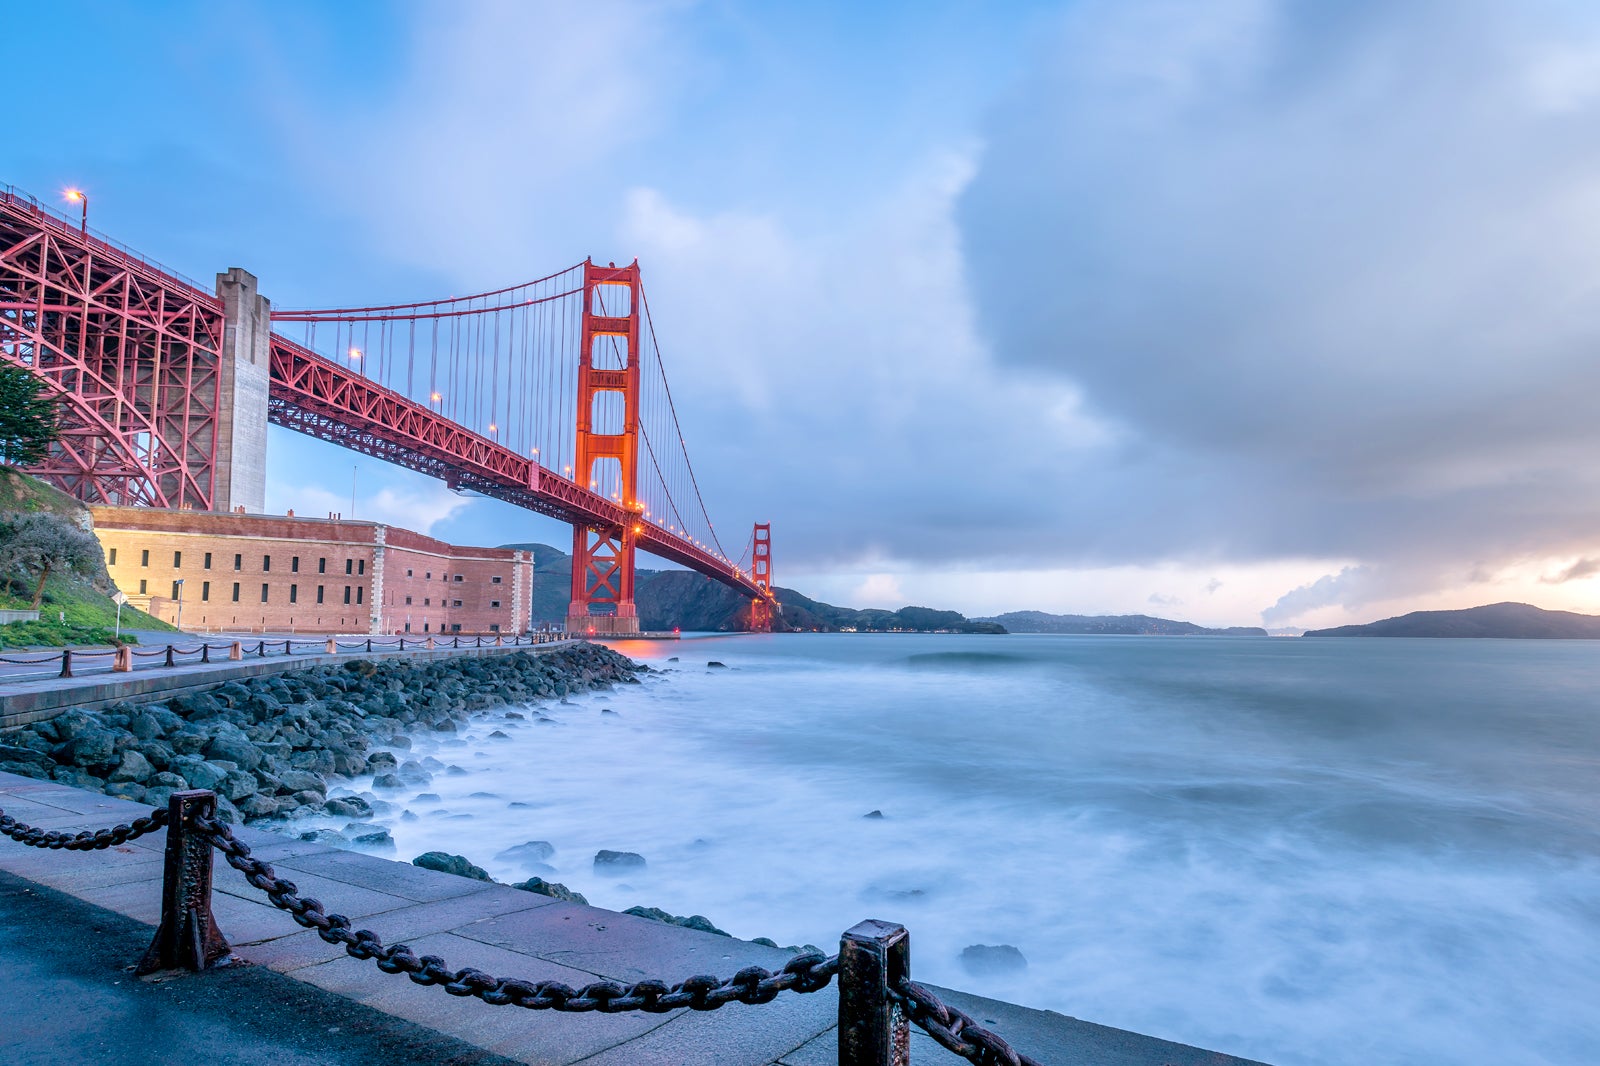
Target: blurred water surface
1304,851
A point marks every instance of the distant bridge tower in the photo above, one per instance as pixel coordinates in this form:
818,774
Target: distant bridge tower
761,574
607,449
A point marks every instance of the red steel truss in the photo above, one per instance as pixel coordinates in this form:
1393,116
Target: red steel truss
134,353
335,403
131,351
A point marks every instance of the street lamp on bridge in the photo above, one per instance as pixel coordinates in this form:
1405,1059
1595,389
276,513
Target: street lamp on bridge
78,196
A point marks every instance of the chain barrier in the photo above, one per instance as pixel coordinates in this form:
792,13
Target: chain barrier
955,1030
753,984
35,837
30,662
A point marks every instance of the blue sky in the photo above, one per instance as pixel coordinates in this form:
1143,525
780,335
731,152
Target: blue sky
1230,311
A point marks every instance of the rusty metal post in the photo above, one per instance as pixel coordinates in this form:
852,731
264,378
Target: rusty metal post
873,957
369,645
66,662
205,652
170,661
261,650
188,937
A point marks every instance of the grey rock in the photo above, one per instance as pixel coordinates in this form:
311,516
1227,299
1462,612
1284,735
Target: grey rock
331,837
133,767
450,864
369,836
168,779
348,807
126,790
302,781
387,781
618,863
237,784
552,889
532,851
989,960
235,749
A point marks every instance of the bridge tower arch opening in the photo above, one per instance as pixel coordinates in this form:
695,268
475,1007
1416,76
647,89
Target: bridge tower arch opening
608,370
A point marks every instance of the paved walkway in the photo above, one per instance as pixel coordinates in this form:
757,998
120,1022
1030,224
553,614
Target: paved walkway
28,696
503,931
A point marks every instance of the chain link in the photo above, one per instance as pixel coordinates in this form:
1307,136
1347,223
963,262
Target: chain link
810,972
955,1030
35,837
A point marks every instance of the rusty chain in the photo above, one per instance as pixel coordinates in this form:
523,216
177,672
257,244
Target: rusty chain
35,837
804,973
955,1030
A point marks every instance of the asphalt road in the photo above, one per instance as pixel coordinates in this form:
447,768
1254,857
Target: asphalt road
71,1000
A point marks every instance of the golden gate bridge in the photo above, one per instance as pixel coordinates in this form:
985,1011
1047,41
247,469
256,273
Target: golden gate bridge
550,395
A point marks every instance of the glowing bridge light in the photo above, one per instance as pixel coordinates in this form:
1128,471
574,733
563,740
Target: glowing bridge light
355,353
436,397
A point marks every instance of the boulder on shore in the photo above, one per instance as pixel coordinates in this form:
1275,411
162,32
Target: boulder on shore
990,960
451,864
617,863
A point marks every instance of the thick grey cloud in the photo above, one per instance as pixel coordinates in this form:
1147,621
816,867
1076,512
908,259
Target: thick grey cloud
1333,269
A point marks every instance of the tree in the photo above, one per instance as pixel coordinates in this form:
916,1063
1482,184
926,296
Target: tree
28,417
47,542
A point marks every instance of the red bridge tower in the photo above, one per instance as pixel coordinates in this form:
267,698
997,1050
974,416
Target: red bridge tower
607,456
761,574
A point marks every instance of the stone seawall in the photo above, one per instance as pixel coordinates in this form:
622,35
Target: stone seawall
271,746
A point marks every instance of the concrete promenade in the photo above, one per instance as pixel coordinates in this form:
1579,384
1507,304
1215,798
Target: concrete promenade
26,696
468,923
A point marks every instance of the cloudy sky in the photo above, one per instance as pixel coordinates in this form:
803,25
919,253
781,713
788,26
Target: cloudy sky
1235,311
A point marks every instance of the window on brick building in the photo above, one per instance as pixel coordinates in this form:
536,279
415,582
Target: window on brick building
294,565
359,593
143,586
408,627
429,575
495,580
266,564
408,572
205,591
264,588
235,592
294,593
144,557
458,577
361,566
349,566
455,627
494,603
206,565
455,603
319,593
111,557
427,601
322,566
177,560
238,562
408,601
175,590
494,627
424,627
347,594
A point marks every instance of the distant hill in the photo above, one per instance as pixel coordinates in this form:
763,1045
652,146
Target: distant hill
682,599
1503,620
1138,625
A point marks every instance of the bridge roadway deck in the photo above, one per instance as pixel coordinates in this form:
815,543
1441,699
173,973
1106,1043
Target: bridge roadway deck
489,927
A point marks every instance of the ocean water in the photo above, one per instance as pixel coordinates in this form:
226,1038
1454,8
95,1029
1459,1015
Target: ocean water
1302,851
